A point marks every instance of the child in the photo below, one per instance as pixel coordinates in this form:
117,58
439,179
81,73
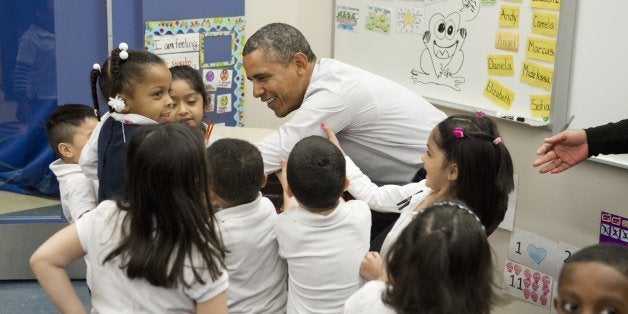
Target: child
154,250
466,159
68,129
257,276
323,238
189,95
594,280
137,83
441,263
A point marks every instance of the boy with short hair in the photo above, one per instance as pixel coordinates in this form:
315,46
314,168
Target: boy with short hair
594,280
256,273
323,238
68,129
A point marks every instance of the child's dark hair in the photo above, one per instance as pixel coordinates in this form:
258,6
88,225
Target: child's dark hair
485,171
117,75
316,172
62,123
612,255
170,222
441,263
190,75
237,170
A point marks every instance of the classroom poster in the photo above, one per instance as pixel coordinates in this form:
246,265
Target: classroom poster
613,228
214,47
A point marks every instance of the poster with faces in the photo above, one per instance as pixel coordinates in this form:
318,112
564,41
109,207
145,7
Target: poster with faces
210,79
217,78
212,102
224,78
223,103
528,284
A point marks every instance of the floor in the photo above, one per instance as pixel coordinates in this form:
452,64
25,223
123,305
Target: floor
28,297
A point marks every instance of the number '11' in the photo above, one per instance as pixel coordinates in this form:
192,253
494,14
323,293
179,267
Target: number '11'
512,282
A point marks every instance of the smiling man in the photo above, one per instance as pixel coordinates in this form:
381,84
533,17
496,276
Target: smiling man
381,124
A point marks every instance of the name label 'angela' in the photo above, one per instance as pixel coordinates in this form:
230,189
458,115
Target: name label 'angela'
507,40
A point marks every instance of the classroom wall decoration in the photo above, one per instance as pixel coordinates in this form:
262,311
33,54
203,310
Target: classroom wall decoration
613,228
532,268
499,57
213,46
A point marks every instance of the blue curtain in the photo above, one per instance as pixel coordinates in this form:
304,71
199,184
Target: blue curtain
28,95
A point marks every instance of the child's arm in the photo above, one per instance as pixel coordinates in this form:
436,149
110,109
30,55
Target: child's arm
217,304
383,199
372,267
81,197
48,264
288,198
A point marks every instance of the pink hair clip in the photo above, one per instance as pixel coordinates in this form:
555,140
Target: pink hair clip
497,140
458,132
480,114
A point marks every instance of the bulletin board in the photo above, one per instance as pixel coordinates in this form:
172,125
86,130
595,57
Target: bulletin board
213,46
509,59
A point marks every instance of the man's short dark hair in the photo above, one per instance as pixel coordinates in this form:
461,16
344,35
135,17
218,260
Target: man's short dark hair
280,42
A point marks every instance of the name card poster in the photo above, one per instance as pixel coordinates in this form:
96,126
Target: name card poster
476,55
213,47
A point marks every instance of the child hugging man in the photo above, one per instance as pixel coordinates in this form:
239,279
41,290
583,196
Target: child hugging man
322,238
68,129
256,273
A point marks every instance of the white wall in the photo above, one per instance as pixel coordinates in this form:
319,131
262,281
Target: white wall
561,207
312,18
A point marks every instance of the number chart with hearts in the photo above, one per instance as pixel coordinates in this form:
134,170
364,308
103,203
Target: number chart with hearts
531,258
528,284
533,251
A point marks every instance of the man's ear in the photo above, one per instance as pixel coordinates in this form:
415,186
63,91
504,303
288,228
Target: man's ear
301,62
64,150
347,181
264,180
453,172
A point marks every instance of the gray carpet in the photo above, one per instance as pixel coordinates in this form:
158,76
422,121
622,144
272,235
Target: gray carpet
26,296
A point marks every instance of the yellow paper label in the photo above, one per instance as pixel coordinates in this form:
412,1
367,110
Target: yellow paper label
537,75
545,4
499,93
501,65
540,105
509,16
544,23
541,48
507,40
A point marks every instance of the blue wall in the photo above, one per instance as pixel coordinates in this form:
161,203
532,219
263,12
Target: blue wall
82,33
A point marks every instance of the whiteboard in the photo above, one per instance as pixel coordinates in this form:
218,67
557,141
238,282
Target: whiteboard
393,49
600,74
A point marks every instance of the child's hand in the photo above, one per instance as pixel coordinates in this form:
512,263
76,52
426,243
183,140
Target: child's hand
331,136
288,198
372,267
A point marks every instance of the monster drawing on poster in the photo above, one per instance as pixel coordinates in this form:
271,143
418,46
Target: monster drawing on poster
443,55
